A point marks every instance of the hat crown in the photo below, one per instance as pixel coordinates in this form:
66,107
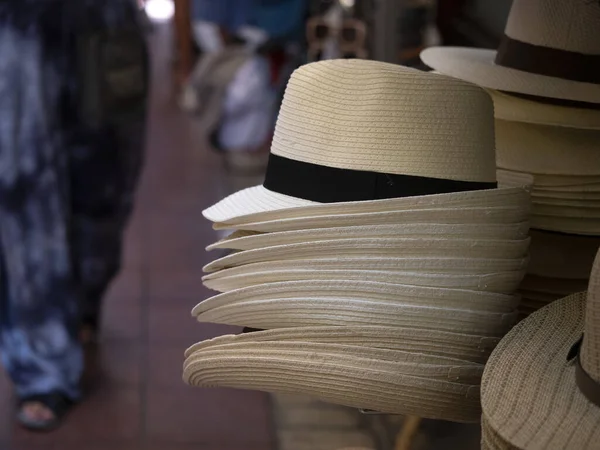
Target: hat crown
590,352
379,117
569,25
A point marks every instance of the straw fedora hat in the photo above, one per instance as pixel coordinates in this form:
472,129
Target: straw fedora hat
466,347
541,386
550,49
389,381
249,240
481,215
382,247
545,150
357,131
518,109
342,290
306,311
504,282
427,265
556,255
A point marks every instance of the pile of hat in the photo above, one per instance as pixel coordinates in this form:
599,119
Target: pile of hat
541,386
379,259
545,82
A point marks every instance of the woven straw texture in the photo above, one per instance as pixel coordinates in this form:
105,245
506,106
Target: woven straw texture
537,22
543,23
368,291
452,248
432,265
541,149
368,115
260,204
291,312
494,282
428,216
529,395
460,346
515,109
247,240
404,383
590,352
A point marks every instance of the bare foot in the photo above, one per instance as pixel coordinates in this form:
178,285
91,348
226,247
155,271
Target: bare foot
87,335
36,412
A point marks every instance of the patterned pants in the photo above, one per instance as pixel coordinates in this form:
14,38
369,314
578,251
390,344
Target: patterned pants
66,193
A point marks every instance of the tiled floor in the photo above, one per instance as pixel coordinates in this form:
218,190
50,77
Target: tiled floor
137,399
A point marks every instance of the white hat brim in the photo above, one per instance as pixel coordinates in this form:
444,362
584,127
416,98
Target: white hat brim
477,66
258,204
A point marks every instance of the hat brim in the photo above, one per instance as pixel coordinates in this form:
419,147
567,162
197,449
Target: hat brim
529,393
406,294
454,345
247,240
515,109
477,66
346,383
298,312
458,248
504,282
258,204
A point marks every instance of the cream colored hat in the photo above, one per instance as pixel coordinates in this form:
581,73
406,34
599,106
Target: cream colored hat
465,347
250,240
556,255
355,131
389,381
517,109
466,215
298,312
382,247
366,291
506,282
430,265
541,388
546,150
551,49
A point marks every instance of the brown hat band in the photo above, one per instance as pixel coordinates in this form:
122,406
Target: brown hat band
586,384
548,61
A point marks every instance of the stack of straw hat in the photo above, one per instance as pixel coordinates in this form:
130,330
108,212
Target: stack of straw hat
379,258
545,83
541,386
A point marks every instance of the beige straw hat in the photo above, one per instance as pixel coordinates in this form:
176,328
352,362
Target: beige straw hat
541,388
430,265
291,312
389,381
353,132
518,109
550,49
556,255
367,291
382,247
465,347
506,282
249,240
480,215
546,150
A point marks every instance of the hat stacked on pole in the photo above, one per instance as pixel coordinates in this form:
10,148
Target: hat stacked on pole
379,258
545,82
541,386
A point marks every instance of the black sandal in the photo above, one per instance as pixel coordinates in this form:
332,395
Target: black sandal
55,401
89,330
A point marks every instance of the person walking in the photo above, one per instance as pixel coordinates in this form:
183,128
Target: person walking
73,83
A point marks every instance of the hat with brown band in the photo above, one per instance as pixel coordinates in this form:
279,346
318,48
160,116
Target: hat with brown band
541,386
550,50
